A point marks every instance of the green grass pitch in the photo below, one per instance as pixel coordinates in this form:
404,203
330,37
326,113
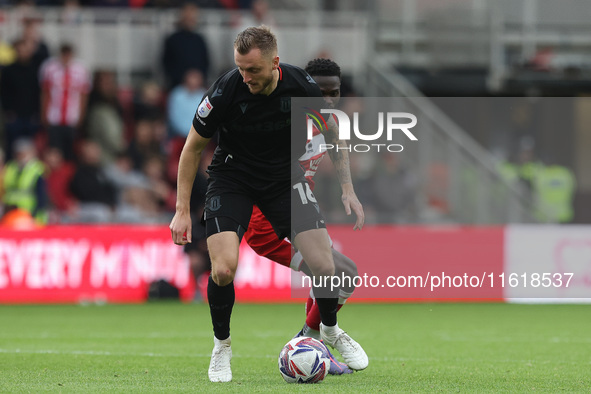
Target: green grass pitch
165,347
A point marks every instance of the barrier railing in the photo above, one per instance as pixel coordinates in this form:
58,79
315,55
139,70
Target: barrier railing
475,190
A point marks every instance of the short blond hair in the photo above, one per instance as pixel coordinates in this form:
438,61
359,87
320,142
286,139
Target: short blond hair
259,37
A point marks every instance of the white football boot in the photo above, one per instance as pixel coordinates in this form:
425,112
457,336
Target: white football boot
219,366
351,351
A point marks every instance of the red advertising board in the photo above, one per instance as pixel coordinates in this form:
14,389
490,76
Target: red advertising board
88,264
423,262
117,263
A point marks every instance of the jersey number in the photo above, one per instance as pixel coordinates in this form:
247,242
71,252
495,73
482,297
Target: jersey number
307,195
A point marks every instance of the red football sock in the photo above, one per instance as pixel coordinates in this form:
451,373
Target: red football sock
309,304
313,318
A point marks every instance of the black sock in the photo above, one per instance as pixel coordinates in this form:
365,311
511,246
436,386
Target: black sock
221,300
328,310
327,299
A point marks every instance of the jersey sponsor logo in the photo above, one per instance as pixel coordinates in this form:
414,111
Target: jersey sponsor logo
215,204
269,126
285,105
200,120
205,107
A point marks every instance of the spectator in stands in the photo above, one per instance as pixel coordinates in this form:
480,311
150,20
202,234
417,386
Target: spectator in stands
163,193
362,171
71,13
64,91
527,163
32,34
148,102
135,202
7,54
160,135
555,188
19,92
122,174
395,189
259,15
182,103
552,187
109,3
104,122
144,143
90,186
185,49
2,168
142,197
59,175
25,186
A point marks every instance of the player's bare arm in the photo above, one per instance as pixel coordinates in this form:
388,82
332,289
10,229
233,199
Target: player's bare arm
180,226
340,161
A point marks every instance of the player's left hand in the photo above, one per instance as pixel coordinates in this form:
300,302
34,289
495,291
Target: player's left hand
352,204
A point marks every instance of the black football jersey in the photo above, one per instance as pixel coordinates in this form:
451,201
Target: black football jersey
254,129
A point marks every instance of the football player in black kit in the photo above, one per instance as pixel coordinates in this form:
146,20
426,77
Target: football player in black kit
249,107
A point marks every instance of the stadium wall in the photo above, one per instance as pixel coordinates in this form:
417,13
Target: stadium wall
96,264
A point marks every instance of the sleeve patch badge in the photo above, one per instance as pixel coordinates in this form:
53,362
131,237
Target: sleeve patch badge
204,108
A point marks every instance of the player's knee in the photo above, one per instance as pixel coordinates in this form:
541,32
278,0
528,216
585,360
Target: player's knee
344,265
223,268
324,269
222,276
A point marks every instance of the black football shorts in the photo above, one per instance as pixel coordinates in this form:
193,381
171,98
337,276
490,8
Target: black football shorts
289,209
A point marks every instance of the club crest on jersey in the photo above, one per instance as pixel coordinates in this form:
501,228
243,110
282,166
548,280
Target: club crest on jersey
204,108
285,105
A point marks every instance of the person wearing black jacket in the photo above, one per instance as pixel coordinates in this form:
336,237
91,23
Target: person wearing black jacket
19,92
96,195
185,49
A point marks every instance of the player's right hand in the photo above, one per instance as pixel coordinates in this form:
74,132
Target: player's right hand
180,228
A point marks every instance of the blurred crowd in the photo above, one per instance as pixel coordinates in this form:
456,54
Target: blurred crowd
79,148
71,5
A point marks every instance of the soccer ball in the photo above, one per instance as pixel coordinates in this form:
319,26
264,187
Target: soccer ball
303,360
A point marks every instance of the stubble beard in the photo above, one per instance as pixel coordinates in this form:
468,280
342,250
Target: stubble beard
264,85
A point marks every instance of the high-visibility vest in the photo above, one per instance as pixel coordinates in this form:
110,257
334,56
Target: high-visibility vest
555,189
520,173
19,186
508,171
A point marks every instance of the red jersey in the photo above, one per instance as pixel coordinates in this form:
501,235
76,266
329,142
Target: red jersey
65,85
